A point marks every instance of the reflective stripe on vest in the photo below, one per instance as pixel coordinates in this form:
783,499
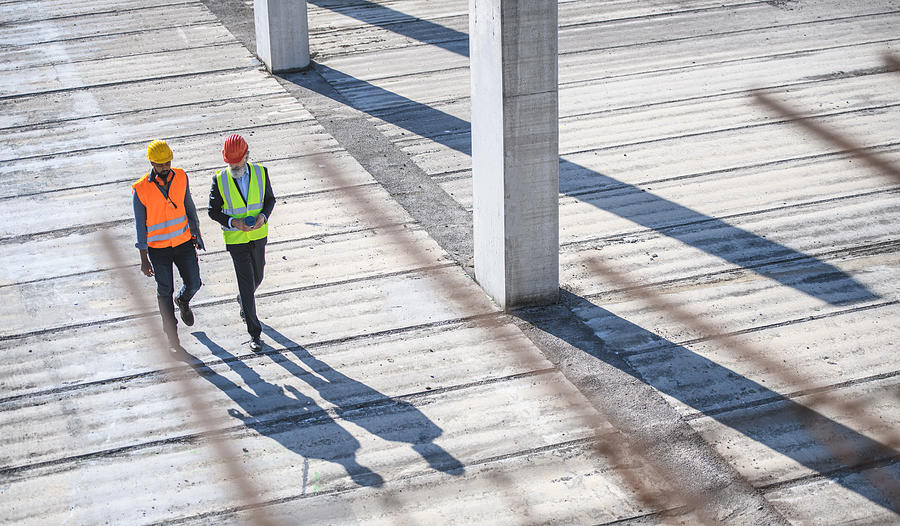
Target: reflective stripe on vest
167,224
170,235
234,206
164,224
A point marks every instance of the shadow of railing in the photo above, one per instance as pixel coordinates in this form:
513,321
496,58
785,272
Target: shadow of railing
730,243
714,236
285,415
777,422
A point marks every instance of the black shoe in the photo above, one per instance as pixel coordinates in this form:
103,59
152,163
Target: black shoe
255,344
186,315
241,305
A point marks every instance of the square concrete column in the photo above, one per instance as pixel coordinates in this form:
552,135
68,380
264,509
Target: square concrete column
515,149
282,34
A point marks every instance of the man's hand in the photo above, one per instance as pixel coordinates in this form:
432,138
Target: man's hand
146,267
260,221
198,242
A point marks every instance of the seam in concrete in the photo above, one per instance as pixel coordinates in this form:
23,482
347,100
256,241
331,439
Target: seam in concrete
430,326
208,169
732,61
790,396
830,475
458,175
132,55
594,80
773,122
562,29
101,36
173,76
581,442
736,94
412,227
835,155
134,316
49,123
883,247
309,419
661,229
724,95
442,325
95,13
750,330
413,19
61,232
787,323
81,151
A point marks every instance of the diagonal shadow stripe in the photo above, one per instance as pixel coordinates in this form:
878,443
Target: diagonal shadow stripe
401,23
817,278
735,245
785,426
730,243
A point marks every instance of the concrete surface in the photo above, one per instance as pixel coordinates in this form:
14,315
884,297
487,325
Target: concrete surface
391,390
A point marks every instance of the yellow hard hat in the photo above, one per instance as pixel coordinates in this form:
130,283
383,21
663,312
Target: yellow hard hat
159,152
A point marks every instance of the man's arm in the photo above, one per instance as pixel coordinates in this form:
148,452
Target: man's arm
268,200
215,205
191,211
140,225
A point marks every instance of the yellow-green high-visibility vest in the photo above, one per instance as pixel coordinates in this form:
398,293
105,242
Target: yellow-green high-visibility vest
235,206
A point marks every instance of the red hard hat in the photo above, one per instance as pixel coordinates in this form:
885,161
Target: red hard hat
235,149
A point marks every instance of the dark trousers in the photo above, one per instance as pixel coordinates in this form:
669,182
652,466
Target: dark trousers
184,256
249,261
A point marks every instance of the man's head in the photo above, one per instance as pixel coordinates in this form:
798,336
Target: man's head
160,156
236,152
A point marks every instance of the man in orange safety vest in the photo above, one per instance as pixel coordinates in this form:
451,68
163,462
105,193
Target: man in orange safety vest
168,234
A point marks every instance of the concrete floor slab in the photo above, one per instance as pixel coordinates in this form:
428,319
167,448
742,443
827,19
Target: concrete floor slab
391,390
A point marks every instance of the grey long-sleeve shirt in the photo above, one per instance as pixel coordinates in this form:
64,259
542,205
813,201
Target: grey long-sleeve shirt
140,215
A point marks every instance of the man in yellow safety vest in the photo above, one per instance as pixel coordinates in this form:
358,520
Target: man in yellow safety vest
241,200
168,233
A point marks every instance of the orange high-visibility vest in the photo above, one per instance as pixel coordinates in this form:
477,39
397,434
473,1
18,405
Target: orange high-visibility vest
167,223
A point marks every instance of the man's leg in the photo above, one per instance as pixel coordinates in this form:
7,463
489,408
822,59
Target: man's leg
246,278
161,259
189,269
258,257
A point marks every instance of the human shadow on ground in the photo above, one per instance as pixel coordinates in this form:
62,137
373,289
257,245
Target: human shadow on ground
383,416
788,428
707,233
285,415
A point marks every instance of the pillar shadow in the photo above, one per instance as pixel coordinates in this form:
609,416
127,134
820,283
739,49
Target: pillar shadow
285,415
388,418
748,407
779,423
401,23
712,235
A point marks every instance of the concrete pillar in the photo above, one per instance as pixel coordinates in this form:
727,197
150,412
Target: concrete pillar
515,149
282,34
